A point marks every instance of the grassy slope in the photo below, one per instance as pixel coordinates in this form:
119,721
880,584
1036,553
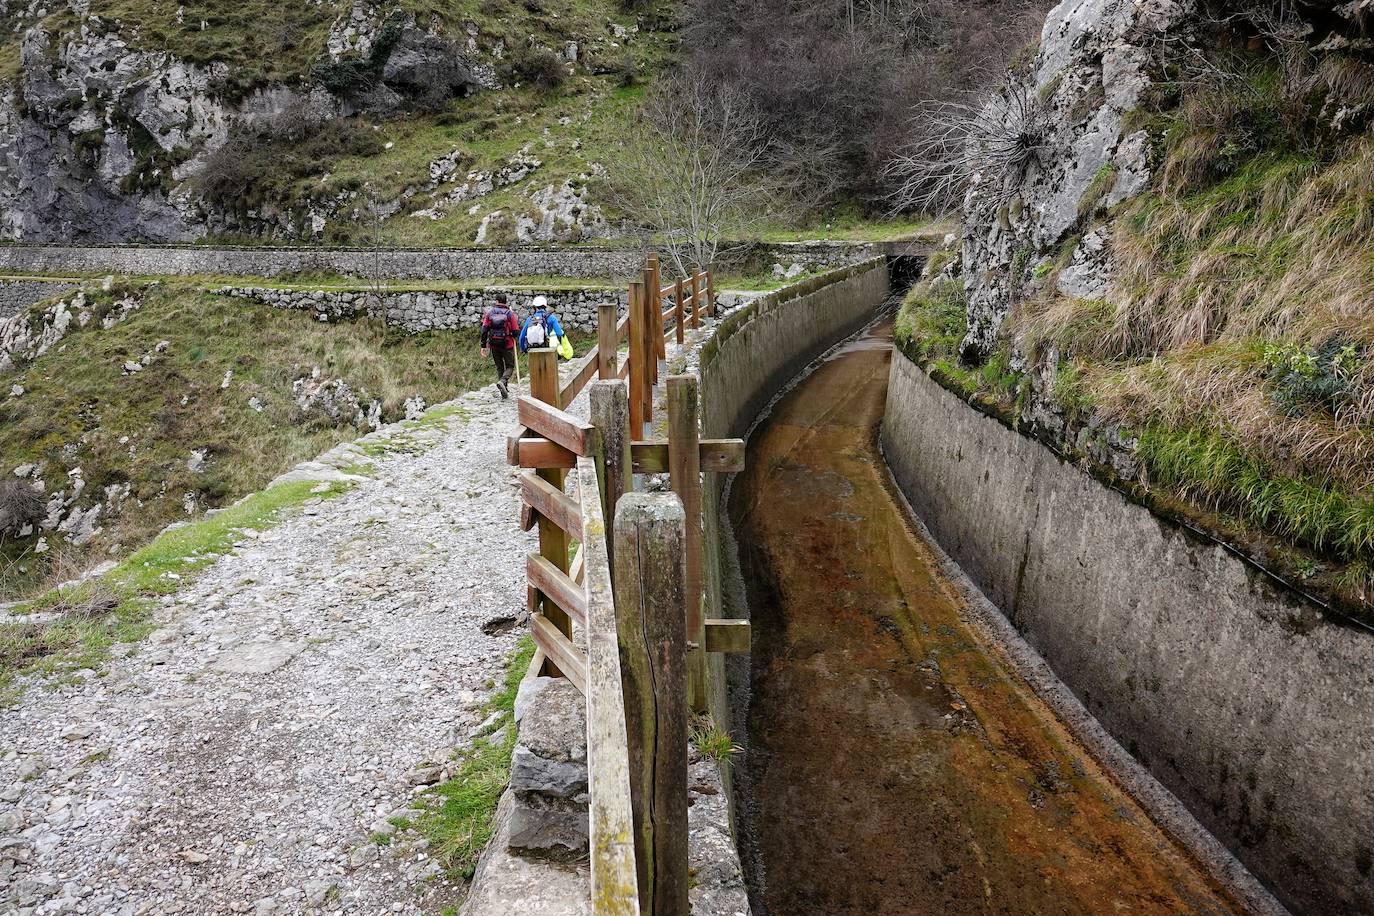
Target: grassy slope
490,128
280,44
78,405
1237,344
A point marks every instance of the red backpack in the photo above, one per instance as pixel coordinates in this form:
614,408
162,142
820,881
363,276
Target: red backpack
498,325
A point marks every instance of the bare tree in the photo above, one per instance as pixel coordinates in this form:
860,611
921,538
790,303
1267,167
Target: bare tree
696,170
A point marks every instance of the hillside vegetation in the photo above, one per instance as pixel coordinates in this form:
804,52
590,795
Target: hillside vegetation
168,400
330,121
1231,352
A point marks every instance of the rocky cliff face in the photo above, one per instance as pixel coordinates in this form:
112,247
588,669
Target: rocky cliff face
1074,142
102,138
97,138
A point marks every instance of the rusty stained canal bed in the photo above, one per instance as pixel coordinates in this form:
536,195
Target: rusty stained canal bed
897,763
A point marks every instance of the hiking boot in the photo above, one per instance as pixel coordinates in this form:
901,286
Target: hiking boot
501,387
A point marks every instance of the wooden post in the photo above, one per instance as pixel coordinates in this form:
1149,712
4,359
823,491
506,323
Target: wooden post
553,541
684,469
660,345
654,308
696,299
614,471
679,311
637,367
615,885
647,355
711,292
651,621
606,343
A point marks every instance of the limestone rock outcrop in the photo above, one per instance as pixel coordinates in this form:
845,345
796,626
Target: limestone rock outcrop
1069,113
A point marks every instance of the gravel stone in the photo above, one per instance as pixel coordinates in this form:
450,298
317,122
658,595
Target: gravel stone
276,719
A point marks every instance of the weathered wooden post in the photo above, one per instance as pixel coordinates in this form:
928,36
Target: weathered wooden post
636,357
648,361
684,470
615,883
611,416
651,612
651,306
553,541
606,343
711,291
660,350
696,299
679,310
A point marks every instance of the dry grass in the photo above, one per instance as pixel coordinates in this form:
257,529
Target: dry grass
1223,387
71,615
1278,252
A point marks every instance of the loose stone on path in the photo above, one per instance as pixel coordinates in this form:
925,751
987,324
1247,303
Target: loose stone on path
308,688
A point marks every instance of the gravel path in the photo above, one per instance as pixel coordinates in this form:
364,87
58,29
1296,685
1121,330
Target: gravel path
294,697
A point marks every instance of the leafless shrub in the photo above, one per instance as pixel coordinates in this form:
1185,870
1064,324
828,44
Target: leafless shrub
20,505
541,66
996,141
262,160
697,171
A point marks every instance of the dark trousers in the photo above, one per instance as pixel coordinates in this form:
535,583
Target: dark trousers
504,357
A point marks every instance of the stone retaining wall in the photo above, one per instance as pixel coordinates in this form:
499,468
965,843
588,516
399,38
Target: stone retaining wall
432,310
389,264
1244,699
17,295
585,262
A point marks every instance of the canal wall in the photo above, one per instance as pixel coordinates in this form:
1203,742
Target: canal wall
749,358
1240,696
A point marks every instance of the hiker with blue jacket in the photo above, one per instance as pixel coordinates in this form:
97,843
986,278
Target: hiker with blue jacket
543,330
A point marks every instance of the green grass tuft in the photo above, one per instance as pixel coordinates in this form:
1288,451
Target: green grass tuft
710,741
458,816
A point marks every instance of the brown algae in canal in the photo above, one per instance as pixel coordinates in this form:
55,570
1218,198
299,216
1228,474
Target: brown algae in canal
897,763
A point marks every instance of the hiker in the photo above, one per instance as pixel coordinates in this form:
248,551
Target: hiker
543,330
499,327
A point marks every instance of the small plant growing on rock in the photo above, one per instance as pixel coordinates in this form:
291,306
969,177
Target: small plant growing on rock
711,742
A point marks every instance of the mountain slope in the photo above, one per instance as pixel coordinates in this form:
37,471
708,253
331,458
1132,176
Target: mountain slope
153,120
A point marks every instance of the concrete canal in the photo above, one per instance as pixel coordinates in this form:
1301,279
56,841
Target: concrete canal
897,763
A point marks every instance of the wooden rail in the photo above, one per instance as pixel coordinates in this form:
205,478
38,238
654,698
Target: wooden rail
635,587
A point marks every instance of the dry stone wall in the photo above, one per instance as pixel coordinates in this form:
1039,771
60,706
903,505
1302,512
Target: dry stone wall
588,262
432,310
388,264
17,295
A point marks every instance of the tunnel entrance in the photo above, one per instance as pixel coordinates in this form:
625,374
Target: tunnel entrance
904,270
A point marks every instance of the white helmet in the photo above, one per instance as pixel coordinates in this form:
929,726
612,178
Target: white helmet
539,302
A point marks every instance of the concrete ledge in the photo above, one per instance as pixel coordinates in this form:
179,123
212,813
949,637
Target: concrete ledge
1244,700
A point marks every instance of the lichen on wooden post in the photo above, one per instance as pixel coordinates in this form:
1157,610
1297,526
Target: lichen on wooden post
684,470
651,621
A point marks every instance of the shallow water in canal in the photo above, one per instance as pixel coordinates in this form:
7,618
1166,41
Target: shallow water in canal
896,761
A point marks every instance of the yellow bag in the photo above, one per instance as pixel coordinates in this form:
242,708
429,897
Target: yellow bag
565,348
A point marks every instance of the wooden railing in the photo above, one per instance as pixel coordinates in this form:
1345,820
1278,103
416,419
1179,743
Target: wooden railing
634,591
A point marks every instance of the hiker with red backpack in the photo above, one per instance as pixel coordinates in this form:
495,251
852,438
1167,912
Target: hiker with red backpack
499,329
